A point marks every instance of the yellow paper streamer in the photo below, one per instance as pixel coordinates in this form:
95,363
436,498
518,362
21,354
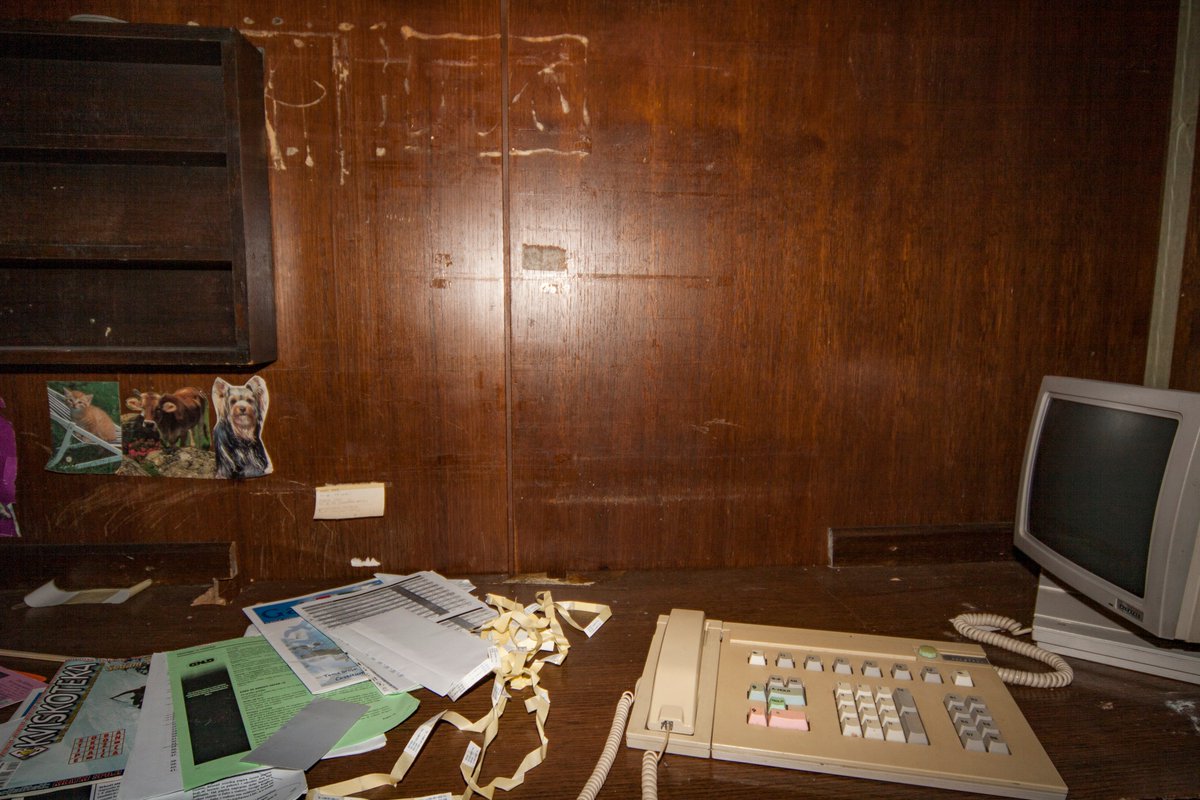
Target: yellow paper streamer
519,634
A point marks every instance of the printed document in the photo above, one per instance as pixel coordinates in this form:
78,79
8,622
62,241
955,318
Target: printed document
315,658
229,696
153,768
404,629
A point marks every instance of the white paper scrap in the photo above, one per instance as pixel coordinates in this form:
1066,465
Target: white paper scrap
308,736
48,594
349,501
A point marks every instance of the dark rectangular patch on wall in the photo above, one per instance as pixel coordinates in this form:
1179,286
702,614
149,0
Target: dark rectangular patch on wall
543,258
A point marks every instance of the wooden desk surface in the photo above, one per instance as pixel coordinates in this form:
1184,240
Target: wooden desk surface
1111,733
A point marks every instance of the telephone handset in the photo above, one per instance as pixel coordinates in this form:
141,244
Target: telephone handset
674,699
673,696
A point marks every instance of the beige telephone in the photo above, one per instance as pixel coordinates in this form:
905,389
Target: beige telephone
929,713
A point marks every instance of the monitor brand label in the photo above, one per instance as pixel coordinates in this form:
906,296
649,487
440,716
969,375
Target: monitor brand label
1128,610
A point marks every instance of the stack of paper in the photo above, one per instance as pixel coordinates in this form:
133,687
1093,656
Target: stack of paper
313,656
410,630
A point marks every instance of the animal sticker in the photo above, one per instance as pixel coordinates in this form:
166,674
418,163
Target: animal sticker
177,430
168,433
175,418
84,434
237,436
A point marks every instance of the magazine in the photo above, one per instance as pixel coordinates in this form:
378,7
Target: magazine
79,729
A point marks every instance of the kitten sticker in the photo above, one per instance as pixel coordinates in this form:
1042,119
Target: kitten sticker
85,434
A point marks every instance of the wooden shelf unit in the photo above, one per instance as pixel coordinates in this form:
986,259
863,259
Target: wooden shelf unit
135,220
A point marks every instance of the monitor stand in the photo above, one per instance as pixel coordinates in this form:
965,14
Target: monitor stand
1073,626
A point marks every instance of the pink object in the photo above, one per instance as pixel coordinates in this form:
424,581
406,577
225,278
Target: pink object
8,478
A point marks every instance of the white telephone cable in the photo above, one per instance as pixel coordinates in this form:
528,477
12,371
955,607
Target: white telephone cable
609,753
612,744
984,627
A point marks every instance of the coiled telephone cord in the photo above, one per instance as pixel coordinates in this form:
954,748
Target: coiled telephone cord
612,744
984,628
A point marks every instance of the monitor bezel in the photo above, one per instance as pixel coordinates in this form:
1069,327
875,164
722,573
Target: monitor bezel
1172,578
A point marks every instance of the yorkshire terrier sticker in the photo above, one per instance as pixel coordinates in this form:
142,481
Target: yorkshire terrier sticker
237,436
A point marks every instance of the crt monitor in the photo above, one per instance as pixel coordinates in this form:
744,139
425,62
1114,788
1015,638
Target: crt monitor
1109,506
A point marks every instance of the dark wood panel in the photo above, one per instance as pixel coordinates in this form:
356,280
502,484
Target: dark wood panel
75,567
60,100
818,258
921,544
118,306
122,207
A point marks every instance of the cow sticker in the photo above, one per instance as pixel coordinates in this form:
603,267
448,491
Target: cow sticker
168,432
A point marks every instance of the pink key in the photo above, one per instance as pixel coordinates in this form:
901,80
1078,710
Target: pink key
788,719
756,717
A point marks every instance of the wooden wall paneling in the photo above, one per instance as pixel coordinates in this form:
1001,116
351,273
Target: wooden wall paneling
818,259
776,268
425,225
389,292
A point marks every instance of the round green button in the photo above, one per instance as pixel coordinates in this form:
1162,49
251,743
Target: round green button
927,651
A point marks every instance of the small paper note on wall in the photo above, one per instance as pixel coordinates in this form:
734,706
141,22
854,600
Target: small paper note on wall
349,501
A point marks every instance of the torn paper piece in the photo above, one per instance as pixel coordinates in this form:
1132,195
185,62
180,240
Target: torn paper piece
308,736
49,594
349,501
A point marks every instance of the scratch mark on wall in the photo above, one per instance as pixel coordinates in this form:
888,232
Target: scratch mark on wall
308,104
418,111
537,151
411,33
642,500
123,515
708,425
341,70
387,54
277,161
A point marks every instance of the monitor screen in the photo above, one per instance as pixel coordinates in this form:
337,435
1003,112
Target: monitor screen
1096,480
